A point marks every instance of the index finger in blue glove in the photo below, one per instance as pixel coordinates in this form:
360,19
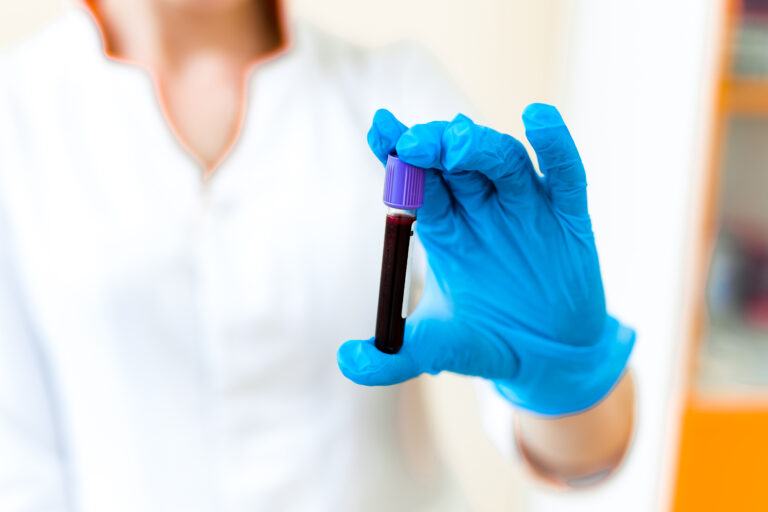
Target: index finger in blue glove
384,134
558,157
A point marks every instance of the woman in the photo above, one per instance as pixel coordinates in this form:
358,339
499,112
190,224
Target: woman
190,227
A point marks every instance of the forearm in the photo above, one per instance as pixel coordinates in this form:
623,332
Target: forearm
578,446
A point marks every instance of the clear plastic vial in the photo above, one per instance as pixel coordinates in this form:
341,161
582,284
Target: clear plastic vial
403,194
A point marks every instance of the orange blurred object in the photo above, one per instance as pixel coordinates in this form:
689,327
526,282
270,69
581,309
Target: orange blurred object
723,457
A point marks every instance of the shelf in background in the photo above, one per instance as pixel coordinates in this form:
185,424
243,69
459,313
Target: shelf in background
747,96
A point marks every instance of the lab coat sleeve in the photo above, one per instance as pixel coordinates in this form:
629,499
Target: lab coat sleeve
32,458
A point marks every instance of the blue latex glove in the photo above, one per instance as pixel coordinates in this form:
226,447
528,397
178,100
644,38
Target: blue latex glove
513,291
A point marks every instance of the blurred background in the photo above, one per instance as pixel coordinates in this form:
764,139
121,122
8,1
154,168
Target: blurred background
668,102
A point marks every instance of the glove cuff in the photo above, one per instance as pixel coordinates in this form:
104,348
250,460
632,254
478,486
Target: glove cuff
554,379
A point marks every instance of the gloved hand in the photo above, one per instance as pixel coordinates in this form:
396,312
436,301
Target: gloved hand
513,291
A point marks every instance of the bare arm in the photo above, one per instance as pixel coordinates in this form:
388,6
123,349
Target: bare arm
578,448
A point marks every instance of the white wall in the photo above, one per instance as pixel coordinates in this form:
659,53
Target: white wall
500,51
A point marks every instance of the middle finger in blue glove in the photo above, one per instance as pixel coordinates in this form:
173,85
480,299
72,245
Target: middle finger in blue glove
465,146
422,145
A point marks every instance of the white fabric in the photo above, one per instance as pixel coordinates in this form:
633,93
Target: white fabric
168,343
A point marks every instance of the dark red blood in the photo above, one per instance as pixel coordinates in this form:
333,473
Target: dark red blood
390,323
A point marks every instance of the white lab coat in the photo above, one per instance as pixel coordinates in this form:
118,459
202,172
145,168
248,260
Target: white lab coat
168,343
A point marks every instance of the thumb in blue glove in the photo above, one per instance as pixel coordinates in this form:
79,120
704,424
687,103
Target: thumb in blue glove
513,291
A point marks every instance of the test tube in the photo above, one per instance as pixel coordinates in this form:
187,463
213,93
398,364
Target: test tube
403,194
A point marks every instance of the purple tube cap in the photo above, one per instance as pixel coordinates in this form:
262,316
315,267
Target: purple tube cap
403,185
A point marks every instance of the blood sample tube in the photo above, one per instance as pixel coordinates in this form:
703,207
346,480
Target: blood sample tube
403,194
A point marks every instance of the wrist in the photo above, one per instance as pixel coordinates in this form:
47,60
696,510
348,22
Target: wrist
581,449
